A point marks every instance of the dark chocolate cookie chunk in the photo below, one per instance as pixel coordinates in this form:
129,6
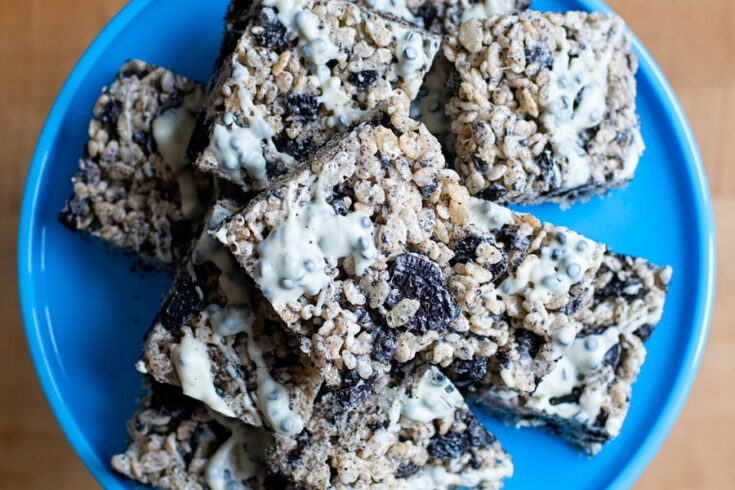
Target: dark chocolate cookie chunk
412,277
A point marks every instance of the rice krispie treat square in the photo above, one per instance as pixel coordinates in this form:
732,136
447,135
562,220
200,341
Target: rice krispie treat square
523,287
585,398
349,249
544,106
301,72
135,190
413,431
214,338
175,442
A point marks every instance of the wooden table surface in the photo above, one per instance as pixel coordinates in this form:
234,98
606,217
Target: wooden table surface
693,42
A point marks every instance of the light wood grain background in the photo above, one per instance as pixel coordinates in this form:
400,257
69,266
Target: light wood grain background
693,42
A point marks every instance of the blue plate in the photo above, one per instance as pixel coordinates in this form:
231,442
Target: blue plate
85,311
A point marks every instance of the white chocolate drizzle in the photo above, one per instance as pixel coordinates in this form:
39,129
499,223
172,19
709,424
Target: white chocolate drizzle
237,317
562,339
172,130
293,257
241,148
412,57
576,102
237,149
241,457
551,273
488,215
191,359
434,397
318,49
584,356
272,397
209,249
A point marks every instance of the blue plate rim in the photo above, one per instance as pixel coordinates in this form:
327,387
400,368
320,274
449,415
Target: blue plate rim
30,311
706,231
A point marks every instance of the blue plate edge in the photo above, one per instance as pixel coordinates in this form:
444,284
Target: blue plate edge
29,308
705,220
707,258
631,470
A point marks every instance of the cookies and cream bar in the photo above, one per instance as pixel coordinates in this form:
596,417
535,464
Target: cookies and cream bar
586,396
544,106
213,337
350,248
300,73
523,287
412,431
526,290
135,189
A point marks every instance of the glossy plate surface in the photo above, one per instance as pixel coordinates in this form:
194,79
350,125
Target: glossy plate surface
85,311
